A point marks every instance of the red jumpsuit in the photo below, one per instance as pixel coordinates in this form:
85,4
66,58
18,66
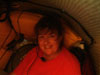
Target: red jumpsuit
64,64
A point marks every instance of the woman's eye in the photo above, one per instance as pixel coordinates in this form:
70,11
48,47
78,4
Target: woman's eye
41,36
52,36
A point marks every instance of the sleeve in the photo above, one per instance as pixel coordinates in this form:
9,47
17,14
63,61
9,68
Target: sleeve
23,64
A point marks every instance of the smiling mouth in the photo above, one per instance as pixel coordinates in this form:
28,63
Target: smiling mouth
48,47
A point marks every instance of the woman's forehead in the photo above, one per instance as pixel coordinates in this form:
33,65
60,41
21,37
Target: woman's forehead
47,31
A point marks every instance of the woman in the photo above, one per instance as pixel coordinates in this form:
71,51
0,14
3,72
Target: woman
49,57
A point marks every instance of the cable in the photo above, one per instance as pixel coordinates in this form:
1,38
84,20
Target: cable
8,7
32,64
4,43
33,61
10,23
18,21
6,38
3,54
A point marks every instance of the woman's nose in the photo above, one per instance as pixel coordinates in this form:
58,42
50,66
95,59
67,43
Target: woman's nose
46,42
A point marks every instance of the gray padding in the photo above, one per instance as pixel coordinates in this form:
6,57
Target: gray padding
3,72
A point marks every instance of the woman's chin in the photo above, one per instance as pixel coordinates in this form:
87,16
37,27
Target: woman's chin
47,52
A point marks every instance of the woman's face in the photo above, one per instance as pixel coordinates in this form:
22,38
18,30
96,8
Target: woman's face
48,42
